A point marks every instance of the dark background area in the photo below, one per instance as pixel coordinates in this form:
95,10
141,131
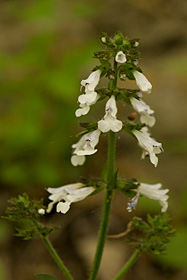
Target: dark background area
46,49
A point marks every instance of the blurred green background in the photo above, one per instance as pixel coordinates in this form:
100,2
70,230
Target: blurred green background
46,48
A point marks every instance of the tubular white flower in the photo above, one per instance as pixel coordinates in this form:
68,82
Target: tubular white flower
89,142
110,122
154,192
120,57
92,81
85,146
90,96
76,159
149,145
142,82
144,110
66,195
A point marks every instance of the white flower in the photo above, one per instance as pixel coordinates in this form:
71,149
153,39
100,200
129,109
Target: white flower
85,146
144,110
78,159
85,107
66,195
88,143
152,192
92,81
120,57
148,144
142,82
110,122
90,96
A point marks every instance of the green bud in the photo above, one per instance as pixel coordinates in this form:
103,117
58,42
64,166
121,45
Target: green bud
118,38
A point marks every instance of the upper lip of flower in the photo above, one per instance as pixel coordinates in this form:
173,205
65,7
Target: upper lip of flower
92,81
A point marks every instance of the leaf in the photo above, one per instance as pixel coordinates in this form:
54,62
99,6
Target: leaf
45,277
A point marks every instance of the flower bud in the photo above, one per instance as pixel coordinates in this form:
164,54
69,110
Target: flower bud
103,40
118,39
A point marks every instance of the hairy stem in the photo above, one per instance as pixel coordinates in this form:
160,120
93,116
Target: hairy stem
128,265
106,206
53,252
108,195
56,258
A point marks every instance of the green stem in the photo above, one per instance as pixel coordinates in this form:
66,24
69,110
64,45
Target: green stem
56,258
53,252
106,206
116,74
128,265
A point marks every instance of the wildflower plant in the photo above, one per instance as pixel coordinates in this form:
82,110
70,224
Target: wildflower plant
117,61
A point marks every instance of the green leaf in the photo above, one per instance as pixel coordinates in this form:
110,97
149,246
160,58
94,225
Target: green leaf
45,277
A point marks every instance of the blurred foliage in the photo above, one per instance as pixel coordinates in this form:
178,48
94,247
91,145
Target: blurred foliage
1,271
175,256
39,87
45,277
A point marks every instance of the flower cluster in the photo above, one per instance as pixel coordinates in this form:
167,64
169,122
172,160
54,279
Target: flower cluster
125,55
